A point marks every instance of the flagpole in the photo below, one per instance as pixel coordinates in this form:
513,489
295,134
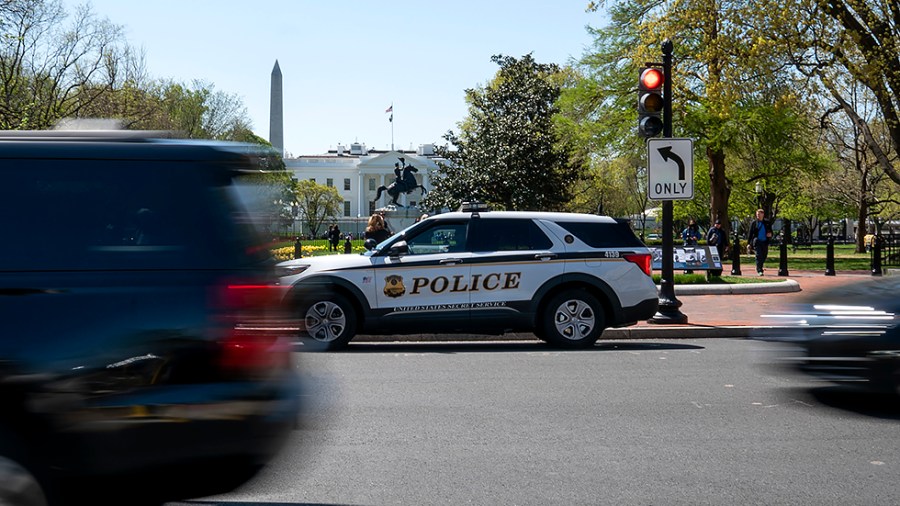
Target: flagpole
391,119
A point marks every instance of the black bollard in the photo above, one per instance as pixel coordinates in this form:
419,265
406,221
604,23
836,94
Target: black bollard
876,256
829,257
736,255
782,258
298,249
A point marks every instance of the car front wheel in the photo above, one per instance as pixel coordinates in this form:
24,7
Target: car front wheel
573,319
330,321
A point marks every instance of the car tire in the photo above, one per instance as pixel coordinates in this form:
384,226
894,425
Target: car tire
19,483
330,321
573,319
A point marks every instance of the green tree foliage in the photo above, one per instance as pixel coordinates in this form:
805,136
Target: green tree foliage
54,66
835,41
726,78
508,153
316,203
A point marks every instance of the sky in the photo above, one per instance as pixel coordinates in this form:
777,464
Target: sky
344,63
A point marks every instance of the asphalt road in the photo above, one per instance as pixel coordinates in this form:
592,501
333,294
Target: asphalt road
629,422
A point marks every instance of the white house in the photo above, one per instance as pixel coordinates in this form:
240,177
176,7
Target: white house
357,173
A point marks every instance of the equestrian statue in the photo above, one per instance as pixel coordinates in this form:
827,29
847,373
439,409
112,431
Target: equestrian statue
404,182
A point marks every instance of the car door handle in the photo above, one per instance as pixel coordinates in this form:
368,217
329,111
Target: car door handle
543,257
451,261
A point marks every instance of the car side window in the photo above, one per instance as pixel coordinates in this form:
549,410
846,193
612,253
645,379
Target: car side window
602,235
509,235
442,237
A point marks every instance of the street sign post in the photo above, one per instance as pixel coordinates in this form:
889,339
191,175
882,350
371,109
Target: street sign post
670,169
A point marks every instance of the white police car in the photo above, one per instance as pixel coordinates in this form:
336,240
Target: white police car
564,276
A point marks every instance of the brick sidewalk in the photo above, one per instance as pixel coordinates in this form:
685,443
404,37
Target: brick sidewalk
745,309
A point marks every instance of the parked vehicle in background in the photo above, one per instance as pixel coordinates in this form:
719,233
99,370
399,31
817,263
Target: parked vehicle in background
135,296
565,277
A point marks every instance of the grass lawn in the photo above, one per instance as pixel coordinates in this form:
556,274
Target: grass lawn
845,259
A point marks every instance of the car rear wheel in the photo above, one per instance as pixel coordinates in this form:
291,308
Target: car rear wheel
573,319
330,321
18,483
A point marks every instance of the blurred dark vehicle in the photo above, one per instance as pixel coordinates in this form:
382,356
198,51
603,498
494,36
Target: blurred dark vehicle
136,364
847,336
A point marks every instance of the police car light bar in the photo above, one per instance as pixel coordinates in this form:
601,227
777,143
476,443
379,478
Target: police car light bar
474,207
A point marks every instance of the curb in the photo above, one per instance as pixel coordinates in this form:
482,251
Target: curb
786,286
686,331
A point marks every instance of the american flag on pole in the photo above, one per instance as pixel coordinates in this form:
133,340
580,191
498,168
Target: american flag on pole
390,110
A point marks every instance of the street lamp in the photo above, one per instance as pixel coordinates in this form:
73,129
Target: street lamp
760,194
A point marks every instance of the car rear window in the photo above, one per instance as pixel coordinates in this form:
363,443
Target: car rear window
602,235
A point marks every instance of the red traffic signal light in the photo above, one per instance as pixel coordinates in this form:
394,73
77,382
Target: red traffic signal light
650,102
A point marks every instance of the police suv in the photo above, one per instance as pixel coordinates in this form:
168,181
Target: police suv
563,276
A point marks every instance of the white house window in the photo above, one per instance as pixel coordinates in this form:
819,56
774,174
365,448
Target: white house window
347,185
329,182
372,184
346,208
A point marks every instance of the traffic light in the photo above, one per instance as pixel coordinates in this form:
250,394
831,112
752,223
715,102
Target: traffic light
650,102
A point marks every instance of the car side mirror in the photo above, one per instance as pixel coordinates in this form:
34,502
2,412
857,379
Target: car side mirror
398,248
370,244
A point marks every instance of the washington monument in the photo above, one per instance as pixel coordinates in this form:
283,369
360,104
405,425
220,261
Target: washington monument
276,111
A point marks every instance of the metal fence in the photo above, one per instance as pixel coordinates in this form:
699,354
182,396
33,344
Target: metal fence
890,250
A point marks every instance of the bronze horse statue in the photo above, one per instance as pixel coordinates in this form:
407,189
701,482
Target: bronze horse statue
405,182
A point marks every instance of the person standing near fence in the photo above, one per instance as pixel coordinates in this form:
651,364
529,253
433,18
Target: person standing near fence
758,239
691,237
715,237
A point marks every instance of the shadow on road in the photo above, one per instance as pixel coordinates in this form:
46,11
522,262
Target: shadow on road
500,347
873,404
242,503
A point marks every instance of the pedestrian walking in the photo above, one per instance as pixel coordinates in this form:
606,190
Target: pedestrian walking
758,238
334,237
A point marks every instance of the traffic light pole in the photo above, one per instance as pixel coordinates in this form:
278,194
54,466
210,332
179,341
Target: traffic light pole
668,312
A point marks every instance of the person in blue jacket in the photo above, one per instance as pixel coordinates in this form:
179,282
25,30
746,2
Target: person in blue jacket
758,238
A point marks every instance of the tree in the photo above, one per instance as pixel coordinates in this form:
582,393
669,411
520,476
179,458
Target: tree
507,153
52,69
54,66
836,44
723,79
316,203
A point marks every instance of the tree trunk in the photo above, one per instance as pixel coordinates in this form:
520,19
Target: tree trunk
862,214
719,189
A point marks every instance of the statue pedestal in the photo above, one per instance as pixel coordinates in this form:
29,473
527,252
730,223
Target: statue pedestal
397,217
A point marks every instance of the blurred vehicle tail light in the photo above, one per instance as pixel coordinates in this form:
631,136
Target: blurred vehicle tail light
642,260
254,339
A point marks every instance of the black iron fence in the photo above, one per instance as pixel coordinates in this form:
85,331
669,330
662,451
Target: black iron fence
890,250
885,252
